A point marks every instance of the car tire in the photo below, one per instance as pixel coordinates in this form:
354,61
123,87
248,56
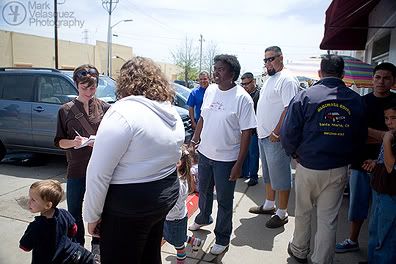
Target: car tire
3,151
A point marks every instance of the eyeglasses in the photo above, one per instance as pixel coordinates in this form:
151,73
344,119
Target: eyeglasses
85,72
246,83
270,59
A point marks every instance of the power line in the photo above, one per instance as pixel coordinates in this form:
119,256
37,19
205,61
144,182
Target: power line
142,12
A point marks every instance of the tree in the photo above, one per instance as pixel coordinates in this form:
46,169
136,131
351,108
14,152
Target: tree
210,52
186,57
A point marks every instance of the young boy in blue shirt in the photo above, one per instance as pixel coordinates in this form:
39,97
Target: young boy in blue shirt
50,235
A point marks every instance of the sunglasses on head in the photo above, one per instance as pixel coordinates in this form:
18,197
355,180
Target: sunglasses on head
270,59
246,83
85,72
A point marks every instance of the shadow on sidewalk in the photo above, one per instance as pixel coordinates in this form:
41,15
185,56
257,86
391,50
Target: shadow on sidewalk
249,233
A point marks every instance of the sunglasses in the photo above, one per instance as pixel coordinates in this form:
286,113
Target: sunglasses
246,83
85,72
270,59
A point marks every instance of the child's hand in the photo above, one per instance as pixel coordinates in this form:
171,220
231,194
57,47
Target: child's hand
388,137
368,165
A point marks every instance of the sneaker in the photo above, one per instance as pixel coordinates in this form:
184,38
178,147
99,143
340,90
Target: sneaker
194,226
198,244
346,246
275,221
261,210
218,249
299,260
251,182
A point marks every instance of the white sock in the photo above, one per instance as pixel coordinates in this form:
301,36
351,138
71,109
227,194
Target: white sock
268,204
282,213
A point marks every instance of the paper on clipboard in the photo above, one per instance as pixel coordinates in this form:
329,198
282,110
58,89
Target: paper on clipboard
88,141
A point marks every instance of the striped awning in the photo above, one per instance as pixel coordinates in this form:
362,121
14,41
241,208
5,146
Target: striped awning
358,73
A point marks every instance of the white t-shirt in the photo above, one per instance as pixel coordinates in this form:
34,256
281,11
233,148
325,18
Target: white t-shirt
225,114
275,95
179,210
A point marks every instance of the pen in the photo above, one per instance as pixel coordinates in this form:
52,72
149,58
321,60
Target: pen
77,132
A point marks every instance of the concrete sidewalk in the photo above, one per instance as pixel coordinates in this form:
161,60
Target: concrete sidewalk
251,241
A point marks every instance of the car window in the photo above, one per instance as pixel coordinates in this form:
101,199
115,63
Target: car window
46,91
17,87
54,90
182,90
106,89
64,90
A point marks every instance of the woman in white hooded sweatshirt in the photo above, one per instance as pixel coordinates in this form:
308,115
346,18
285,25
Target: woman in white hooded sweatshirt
131,177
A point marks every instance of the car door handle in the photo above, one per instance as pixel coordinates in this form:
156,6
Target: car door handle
38,109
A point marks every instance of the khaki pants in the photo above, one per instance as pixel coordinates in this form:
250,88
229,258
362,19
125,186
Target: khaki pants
322,189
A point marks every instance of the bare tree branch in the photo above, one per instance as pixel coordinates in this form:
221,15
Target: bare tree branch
186,56
211,51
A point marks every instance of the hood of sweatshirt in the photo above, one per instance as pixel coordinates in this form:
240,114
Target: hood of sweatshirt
165,110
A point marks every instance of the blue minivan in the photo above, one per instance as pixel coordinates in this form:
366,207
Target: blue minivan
29,102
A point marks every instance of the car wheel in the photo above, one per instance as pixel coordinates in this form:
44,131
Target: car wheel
3,151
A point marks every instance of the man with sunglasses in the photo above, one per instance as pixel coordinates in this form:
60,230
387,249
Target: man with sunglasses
77,120
251,165
275,96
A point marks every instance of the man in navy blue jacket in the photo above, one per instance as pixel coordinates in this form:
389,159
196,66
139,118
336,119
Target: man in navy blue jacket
323,129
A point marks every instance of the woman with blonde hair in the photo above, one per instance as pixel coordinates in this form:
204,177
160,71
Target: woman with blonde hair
131,178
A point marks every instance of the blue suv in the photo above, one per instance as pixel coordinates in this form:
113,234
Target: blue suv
29,103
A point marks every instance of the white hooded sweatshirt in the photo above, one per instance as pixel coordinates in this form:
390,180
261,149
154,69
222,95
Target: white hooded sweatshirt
138,141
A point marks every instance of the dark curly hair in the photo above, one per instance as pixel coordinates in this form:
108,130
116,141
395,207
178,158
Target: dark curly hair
141,76
231,61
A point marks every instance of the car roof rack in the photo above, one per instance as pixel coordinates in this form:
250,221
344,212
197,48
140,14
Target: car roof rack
29,68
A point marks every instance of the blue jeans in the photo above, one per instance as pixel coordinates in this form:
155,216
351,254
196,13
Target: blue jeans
382,229
360,194
75,195
251,164
217,173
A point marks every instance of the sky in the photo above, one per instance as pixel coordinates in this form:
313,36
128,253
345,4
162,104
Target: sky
242,28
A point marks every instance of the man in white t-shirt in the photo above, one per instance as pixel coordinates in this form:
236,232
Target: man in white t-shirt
223,131
275,96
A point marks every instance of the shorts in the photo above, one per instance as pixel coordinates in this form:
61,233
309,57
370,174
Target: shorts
275,164
175,231
360,194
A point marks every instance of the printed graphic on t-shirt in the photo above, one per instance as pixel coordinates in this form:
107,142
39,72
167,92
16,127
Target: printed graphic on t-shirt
335,119
217,106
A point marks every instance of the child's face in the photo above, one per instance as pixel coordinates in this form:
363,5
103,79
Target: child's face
390,119
36,204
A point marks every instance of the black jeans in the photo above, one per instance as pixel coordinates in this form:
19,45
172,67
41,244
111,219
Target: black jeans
133,219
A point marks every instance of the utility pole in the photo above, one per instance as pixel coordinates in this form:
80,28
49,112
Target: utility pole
85,36
200,52
109,7
56,32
